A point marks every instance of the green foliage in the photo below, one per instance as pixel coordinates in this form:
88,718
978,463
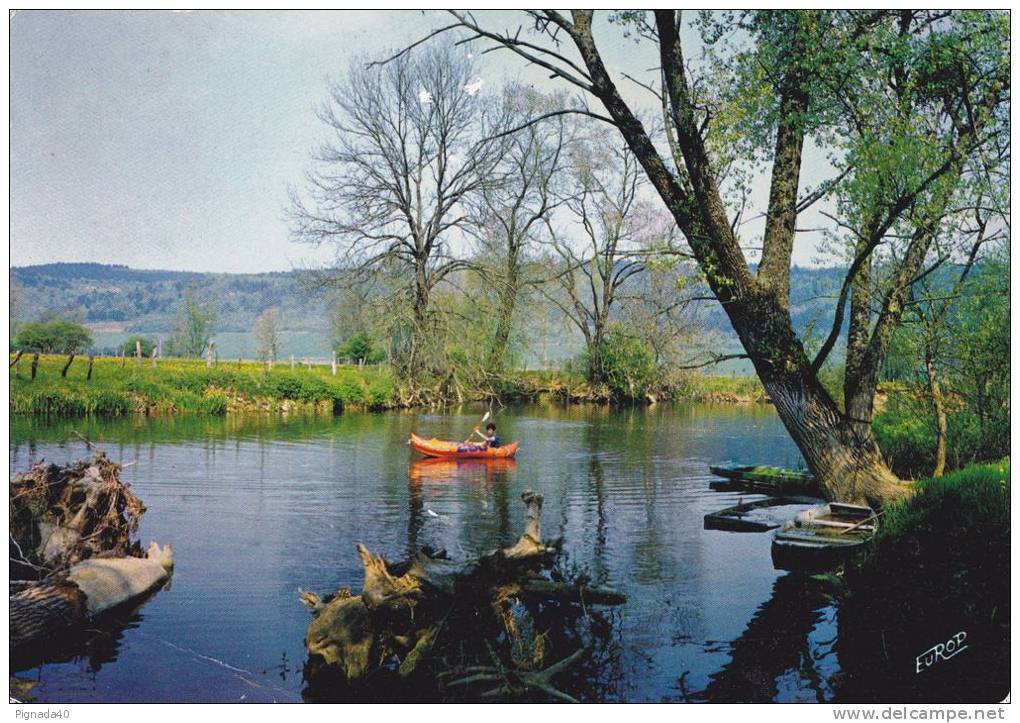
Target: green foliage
59,336
626,364
360,348
193,328
128,347
905,432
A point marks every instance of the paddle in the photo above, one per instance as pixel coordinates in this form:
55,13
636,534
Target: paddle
484,420
858,524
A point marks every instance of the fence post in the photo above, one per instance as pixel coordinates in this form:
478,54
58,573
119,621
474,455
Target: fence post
35,364
63,372
122,357
291,361
138,353
334,362
155,353
208,356
88,374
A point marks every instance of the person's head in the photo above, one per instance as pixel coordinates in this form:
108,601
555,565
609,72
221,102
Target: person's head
490,428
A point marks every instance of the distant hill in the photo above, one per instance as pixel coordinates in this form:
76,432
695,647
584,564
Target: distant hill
116,301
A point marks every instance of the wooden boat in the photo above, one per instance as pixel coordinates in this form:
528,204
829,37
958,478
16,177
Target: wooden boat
460,450
749,516
823,537
761,478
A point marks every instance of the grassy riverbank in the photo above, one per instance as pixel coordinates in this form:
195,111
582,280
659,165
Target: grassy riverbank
939,566
178,386
188,386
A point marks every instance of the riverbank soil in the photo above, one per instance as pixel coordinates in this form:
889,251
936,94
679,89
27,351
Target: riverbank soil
927,615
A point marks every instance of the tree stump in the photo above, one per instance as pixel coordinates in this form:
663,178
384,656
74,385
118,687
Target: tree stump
427,610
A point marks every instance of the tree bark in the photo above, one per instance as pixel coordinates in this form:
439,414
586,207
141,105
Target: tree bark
844,457
938,406
504,324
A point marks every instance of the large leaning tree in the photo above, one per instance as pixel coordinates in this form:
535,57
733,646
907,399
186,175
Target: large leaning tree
408,144
906,100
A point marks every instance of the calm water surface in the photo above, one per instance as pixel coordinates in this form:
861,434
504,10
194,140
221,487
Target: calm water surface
256,507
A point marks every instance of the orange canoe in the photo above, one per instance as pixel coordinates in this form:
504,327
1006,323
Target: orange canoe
460,450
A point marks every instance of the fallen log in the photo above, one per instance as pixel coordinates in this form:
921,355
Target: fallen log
430,607
45,609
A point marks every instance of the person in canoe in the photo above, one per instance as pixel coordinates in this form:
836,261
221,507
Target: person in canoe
492,440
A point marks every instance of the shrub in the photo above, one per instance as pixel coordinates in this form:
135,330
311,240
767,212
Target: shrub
906,435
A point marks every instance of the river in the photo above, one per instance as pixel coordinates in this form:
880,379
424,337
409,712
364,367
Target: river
257,506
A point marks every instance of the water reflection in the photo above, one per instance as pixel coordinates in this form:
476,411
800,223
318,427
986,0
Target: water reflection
257,506
785,653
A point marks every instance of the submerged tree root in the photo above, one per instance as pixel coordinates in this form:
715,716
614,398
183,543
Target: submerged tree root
447,625
71,552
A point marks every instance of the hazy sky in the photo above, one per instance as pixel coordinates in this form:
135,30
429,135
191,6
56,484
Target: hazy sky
165,139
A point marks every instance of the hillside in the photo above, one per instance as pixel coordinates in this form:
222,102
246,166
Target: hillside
116,301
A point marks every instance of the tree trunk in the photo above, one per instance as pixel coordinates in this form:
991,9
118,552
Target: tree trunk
843,455
938,406
35,364
504,324
88,374
416,362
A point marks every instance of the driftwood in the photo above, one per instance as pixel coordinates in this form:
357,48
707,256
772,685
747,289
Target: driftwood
69,599
71,553
62,515
406,610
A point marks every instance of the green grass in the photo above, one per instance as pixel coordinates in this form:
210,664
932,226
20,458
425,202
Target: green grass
972,498
188,386
709,387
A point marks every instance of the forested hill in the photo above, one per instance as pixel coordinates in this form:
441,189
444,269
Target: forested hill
117,300
147,301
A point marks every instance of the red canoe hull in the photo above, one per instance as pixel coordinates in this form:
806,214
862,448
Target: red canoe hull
458,450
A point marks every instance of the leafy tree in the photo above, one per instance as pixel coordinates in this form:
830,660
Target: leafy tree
128,347
360,348
909,104
59,336
193,328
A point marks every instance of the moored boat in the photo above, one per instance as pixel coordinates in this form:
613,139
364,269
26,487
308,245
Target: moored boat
755,516
461,450
823,537
761,478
